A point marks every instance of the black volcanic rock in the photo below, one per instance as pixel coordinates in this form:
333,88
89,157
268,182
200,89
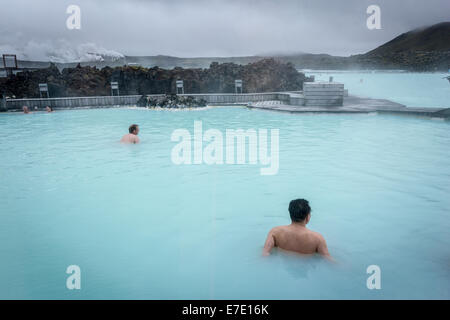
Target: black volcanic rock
170,101
262,76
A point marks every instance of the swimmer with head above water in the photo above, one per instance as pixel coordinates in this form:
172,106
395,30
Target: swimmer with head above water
296,237
49,109
26,110
131,137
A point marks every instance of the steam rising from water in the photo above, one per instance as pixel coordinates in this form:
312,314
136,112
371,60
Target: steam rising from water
61,51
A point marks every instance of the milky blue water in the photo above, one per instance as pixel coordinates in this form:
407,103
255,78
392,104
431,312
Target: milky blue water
141,227
411,89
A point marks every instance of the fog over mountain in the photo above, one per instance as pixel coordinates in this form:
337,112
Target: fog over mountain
36,30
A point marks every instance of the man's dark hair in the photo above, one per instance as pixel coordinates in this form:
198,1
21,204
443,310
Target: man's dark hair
132,128
299,210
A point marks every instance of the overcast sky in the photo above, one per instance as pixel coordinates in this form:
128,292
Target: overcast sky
36,29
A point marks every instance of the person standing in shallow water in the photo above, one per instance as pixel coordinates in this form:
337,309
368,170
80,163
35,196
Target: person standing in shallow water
296,237
131,137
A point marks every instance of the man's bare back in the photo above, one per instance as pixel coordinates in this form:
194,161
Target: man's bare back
296,237
131,137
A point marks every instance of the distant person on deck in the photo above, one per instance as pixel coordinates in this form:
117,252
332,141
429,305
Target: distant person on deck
131,137
296,237
26,110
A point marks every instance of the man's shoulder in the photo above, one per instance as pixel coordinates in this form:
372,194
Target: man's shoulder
134,138
317,236
279,229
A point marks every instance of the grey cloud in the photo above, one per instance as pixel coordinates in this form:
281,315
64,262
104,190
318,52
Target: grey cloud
36,29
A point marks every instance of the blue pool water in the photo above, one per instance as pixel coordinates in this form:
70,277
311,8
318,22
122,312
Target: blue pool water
411,89
141,227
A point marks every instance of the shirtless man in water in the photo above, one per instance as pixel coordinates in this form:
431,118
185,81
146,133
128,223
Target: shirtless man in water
296,237
131,137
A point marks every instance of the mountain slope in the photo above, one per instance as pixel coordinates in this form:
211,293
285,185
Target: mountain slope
434,38
424,49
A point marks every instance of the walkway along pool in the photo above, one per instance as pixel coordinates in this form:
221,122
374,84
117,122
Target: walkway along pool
140,226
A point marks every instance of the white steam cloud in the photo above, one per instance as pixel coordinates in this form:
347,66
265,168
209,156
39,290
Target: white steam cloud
61,51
